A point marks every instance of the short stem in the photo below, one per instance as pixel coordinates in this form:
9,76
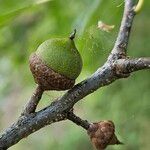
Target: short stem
138,7
72,36
77,120
33,102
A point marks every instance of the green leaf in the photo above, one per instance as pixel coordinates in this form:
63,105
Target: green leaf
9,16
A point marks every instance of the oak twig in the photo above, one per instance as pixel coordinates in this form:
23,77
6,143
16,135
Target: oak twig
33,102
132,64
120,47
77,120
117,66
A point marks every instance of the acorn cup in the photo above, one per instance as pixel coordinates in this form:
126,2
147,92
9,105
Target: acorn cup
56,64
102,134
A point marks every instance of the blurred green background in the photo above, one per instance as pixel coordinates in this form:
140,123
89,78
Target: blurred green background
26,24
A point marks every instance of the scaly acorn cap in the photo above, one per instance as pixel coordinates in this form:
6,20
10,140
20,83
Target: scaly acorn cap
56,64
102,134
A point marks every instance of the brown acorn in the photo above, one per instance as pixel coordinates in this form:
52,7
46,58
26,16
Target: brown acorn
56,64
102,134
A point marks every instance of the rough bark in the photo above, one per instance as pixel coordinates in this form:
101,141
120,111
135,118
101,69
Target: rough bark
117,66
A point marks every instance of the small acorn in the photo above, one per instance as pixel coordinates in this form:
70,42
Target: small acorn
102,134
56,64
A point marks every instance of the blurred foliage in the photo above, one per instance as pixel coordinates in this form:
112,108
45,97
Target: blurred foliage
26,24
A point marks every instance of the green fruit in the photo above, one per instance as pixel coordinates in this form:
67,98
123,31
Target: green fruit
56,64
62,56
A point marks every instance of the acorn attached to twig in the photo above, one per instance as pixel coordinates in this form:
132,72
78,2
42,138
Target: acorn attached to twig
102,134
56,63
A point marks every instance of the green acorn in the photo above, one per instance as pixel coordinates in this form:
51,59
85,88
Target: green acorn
56,64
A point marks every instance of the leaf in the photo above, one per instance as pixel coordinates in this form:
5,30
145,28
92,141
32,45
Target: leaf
7,17
82,20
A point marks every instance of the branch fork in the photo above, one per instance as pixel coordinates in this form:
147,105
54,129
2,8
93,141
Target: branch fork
118,65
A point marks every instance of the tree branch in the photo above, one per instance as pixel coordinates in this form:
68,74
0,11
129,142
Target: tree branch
60,109
120,47
57,110
26,125
131,65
